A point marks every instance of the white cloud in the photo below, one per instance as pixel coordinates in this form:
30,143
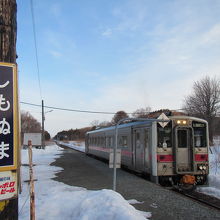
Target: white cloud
212,36
107,32
55,10
55,54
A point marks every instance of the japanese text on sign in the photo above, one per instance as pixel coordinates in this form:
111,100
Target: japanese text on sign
8,185
6,118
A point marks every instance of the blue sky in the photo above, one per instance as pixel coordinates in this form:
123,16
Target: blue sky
110,55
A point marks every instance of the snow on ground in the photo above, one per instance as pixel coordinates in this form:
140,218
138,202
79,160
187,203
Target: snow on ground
55,200
214,172
80,146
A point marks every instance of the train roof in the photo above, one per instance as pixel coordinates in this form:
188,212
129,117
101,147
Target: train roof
147,121
122,126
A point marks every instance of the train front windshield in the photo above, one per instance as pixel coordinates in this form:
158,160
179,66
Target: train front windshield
199,134
195,129
164,135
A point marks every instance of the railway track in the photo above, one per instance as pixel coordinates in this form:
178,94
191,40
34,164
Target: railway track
197,196
202,198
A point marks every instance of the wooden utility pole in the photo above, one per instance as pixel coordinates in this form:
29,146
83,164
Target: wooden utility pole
8,30
8,35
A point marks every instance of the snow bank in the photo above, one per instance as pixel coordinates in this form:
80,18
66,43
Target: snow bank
80,146
55,200
214,172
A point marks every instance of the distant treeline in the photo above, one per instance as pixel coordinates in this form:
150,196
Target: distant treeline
77,134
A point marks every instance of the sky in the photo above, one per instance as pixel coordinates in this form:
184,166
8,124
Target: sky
108,55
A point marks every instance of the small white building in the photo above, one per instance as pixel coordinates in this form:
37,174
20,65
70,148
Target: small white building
35,139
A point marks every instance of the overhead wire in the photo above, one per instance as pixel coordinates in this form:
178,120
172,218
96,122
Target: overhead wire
35,45
76,110
67,109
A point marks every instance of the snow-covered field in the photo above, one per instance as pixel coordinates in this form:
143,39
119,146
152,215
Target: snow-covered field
55,200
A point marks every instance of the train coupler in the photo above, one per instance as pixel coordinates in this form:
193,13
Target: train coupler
188,179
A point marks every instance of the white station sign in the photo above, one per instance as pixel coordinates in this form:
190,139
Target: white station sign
118,158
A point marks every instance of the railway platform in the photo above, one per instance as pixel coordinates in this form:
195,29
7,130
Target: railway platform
83,171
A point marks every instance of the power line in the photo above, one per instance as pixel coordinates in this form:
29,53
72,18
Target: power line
35,44
70,110
78,110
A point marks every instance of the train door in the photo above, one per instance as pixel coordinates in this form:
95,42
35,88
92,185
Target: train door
138,149
147,165
184,150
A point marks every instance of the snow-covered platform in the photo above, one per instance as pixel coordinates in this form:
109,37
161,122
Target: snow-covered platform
83,171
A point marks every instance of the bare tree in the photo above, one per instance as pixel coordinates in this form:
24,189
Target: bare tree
118,116
141,112
29,123
95,123
204,102
105,124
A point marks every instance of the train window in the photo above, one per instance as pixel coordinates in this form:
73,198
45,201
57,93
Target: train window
138,143
123,141
103,141
182,138
111,141
107,141
164,135
199,134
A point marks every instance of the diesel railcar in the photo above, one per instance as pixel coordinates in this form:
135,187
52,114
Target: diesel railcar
173,153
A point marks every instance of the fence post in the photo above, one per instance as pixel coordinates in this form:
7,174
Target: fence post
32,195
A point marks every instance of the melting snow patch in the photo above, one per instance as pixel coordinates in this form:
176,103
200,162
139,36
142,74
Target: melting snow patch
154,205
134,201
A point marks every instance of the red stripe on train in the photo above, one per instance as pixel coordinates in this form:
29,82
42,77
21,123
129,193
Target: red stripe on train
123,152
99,149
201,157
126,153
165,158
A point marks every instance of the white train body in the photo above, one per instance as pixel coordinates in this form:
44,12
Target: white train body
174,154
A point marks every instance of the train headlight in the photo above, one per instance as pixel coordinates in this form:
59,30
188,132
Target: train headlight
184,122
178,122
200,167
204,167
